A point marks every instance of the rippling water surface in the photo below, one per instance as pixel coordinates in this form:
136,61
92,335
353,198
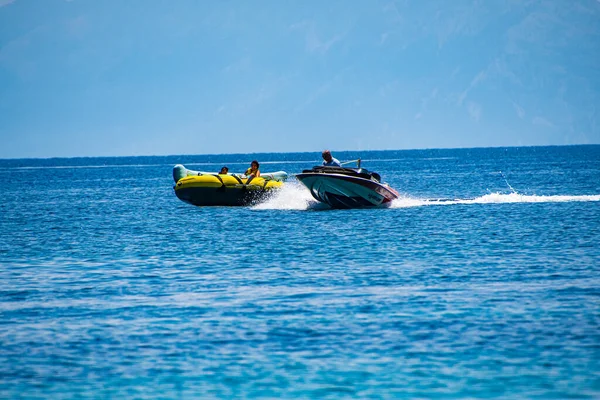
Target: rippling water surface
482,281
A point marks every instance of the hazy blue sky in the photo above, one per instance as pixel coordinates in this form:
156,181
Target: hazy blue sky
145,77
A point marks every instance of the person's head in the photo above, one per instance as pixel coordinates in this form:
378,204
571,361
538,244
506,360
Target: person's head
224,170
326,155
254,165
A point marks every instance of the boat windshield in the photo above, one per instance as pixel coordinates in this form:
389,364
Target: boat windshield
357,172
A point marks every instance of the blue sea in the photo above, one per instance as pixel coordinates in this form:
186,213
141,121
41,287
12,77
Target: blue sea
481,281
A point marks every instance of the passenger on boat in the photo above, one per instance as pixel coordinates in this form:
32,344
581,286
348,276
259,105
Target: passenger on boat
253,170
329,161
224,171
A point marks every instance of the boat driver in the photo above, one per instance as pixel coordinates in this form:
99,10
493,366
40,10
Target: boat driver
329,161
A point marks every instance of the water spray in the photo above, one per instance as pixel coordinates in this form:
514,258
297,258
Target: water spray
506,180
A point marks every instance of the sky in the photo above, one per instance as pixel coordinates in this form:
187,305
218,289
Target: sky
162,77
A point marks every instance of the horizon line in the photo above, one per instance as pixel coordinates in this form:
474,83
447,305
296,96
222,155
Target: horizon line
297,152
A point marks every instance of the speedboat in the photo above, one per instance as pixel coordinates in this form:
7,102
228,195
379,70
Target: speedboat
211,189
347,187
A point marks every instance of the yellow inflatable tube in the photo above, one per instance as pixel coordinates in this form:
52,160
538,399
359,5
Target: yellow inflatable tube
230,181
209,189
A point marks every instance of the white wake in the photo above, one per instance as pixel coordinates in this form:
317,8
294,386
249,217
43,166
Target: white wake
492,198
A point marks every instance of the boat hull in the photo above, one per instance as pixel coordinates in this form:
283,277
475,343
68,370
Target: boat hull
342,191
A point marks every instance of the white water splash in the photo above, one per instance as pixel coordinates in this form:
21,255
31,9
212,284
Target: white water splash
493,198
293,196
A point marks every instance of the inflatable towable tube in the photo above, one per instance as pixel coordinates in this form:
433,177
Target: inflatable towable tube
211,189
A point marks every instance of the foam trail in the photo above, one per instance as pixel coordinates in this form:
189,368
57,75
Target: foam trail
292,196
493,198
